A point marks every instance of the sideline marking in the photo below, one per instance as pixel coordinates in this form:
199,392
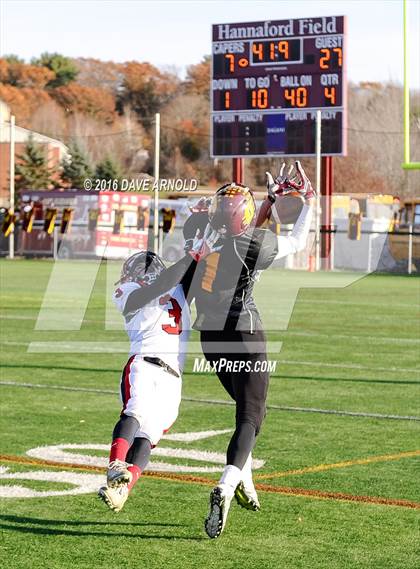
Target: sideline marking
188,479
225,402
344,464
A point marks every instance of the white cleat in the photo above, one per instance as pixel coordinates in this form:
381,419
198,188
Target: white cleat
114,498
220,499
118,474
247,497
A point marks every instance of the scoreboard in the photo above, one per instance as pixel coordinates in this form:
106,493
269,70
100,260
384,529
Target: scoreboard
268,80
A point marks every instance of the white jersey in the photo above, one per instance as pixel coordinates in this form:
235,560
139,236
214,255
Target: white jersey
160,328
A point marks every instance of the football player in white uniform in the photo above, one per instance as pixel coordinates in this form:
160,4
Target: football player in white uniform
157,321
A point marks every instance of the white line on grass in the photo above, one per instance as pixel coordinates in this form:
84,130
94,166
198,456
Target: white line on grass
60,346
310,334
224,402
361,338
354,303
348,366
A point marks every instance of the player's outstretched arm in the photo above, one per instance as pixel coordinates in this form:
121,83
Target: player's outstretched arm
297,240
167,279
180,272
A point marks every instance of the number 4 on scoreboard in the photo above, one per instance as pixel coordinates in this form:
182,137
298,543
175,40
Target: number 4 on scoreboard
329,94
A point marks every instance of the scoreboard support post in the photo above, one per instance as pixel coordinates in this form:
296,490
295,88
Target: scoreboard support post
238,170
326,194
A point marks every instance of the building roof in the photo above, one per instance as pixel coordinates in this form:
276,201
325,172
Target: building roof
22,134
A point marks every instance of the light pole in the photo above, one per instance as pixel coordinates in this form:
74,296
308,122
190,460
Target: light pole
12,185
156,192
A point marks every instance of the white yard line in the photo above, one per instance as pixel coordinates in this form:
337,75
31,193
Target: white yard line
355,303
225,402
349,366
60,346
69,319
361,338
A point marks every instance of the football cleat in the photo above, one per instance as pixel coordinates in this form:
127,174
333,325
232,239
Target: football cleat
118,474
114,498
215,522
246,496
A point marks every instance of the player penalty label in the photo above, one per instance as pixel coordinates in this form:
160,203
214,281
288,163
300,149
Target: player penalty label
201,365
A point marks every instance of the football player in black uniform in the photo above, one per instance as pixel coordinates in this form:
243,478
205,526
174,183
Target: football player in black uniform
231,331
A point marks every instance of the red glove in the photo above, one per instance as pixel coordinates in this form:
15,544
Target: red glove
291,182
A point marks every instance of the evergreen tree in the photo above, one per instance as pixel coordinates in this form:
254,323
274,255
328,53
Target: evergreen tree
63,67
32,169
107,170
76,167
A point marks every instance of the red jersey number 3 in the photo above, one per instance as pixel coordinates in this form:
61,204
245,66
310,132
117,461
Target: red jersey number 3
175,312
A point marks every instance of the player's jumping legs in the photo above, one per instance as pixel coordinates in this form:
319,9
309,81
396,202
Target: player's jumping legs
119,474
241,444
138,456
122,439
248,388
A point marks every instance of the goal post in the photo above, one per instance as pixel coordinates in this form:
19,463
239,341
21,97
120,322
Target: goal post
407,164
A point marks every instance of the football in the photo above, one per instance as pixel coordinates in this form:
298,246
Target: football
286,209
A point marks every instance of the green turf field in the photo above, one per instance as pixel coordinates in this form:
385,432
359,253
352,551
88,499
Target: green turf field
337,490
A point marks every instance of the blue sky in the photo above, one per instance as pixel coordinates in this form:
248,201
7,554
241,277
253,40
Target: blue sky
177,33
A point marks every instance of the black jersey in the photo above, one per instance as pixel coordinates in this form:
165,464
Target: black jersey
224,280
222,283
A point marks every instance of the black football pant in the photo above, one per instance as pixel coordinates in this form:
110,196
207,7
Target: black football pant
237,358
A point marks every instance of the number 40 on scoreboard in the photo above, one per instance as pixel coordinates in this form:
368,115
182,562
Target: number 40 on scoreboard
268,80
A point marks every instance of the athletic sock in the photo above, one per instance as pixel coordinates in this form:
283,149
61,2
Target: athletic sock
122,437
135,471
119,449
246,473
230,478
